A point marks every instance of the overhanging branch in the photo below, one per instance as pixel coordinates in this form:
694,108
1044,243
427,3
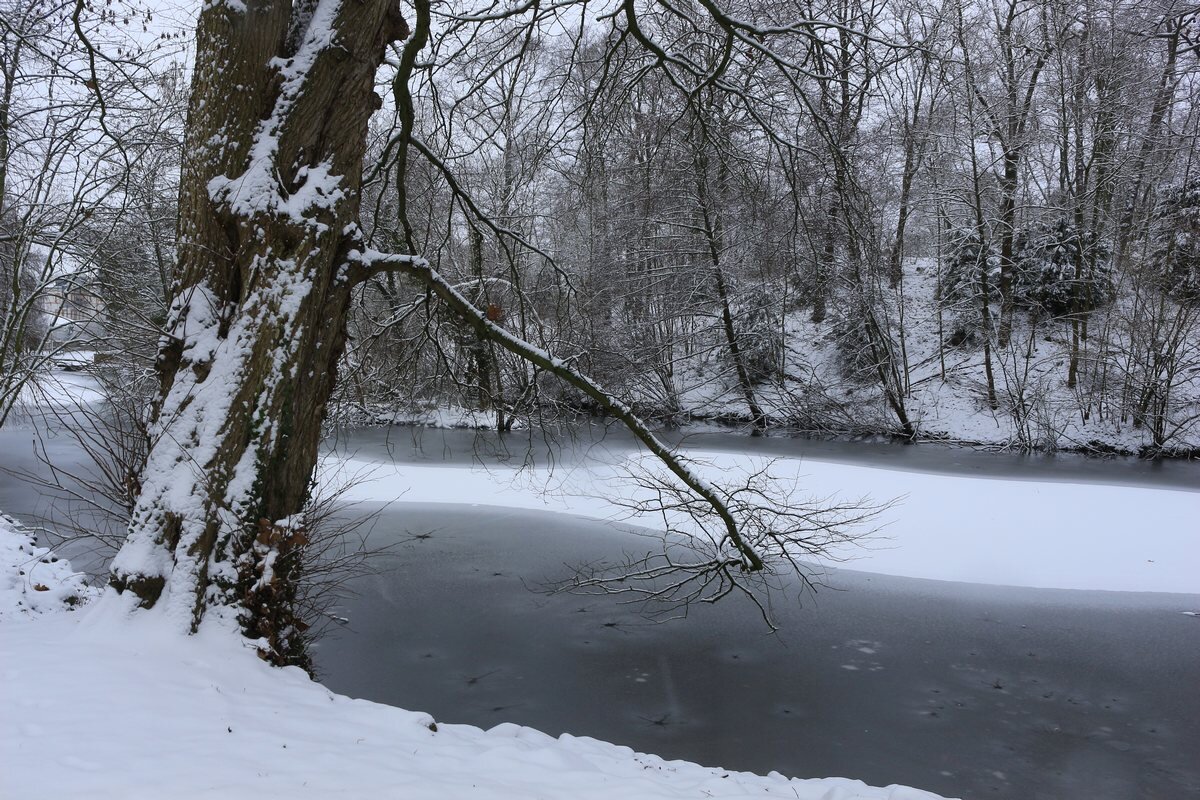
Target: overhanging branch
748,557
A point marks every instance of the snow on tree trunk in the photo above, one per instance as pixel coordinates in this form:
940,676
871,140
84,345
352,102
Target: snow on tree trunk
268,209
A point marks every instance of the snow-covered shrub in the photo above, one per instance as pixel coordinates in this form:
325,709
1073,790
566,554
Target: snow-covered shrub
758,321
1176,256
962,282
33,580
961,288
1061,270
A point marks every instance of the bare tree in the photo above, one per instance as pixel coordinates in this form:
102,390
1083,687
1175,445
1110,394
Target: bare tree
270,254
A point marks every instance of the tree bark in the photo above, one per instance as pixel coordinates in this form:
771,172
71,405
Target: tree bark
268,214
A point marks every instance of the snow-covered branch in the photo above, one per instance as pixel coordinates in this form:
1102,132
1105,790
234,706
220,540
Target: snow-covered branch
747,556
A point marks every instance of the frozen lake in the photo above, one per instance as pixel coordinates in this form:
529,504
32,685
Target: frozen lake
971,691
964,689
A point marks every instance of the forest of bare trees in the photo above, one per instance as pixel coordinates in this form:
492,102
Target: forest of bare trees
971,221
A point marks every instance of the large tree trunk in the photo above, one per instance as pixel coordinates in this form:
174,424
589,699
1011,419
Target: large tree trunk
267,222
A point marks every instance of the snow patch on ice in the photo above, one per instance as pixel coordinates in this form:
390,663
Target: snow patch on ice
945,527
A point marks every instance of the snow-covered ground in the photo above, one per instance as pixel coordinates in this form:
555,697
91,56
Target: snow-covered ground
33,581
977,530
97,704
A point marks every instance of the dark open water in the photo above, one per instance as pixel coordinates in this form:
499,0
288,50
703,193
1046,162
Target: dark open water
970,691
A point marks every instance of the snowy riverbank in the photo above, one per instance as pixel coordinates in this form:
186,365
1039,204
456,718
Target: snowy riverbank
812,388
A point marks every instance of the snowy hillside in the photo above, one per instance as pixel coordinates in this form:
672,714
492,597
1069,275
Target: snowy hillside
945,382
